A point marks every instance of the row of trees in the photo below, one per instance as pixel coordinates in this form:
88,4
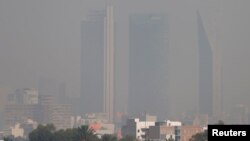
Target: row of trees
84,133
49,133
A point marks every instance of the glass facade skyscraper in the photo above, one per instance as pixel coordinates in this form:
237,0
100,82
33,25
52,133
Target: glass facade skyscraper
148,43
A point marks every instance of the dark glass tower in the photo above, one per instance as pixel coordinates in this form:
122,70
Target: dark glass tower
92,63
97,63
148,64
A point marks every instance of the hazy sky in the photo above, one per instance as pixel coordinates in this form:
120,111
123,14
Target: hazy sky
41,39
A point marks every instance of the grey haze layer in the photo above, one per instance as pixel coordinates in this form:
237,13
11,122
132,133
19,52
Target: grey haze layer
42,39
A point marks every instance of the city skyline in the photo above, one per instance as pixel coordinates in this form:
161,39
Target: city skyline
43,40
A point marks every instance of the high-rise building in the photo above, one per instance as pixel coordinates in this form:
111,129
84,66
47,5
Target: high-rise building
97,63
27,96
239,114
18,113
148,43
205,70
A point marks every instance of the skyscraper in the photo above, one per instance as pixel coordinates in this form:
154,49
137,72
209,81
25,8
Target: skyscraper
97,63
210,95
148,64
205,70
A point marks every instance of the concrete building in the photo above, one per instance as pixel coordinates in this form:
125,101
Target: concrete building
26,96
60,115
136,128
96,121
21,129
45,108
3,101
30,96
163,130
96,117
18,114
148,117
102,128
50,111
97,63
184,133
239,115
21,106
148,43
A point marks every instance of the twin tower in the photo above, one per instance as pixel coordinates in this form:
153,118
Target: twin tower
147,58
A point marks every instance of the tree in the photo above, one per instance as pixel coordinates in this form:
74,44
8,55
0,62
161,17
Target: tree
199,137
43,133
128,138
8,139
12,138
63,135
220,122
108,137
84,133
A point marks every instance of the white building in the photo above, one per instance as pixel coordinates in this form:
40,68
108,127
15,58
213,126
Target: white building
17,131
136,128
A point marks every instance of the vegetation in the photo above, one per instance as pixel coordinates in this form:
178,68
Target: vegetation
109,138
83,133
199,137
12,138
220,122
49,133
128,138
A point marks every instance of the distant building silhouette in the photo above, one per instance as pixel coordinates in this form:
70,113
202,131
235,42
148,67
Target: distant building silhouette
97,63
148,43
205,70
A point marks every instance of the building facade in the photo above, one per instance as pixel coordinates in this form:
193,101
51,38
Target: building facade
205,71
184,133
136,128
97,63
148,43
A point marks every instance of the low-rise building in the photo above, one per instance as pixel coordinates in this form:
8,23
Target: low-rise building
136,128
163,130
184,133
102,128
